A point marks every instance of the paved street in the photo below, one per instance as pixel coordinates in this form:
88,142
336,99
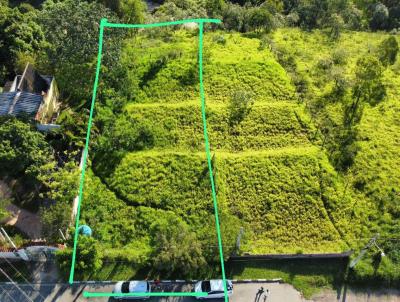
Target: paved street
243,292
64,293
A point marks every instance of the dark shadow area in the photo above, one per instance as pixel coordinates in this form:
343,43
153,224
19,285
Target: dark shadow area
151,73
59,293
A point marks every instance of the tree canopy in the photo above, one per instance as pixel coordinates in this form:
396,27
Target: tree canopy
23,150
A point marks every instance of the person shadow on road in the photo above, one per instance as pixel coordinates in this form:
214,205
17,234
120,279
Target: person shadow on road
260,294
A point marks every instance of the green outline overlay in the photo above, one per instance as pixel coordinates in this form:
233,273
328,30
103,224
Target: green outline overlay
104,24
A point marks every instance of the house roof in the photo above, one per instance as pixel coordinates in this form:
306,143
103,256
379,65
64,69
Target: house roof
16,103
26,96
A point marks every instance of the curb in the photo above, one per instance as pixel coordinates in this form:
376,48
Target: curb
237,281
276,280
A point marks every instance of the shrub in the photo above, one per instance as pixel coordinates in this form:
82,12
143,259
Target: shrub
259,19
220,39
325,64
23,150
239,107
175,248
88,258
339,56
233,17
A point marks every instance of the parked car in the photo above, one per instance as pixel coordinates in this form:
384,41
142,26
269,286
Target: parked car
214,288
132,287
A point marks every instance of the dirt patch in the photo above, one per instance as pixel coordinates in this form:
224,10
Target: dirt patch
27,222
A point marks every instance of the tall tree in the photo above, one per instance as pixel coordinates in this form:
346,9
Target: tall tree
19,33
368,88
133,11
379,17
259,19
74,42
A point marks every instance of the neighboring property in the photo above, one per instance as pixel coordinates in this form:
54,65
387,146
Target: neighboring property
32,94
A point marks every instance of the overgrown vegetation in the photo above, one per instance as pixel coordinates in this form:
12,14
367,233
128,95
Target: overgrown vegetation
303,119
355,112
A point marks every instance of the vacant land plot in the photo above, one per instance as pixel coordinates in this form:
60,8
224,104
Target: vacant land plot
149,179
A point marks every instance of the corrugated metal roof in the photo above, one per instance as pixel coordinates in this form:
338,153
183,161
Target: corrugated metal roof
15,103
6,100
27,103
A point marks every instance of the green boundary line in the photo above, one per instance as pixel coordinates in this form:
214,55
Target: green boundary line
85,151
179,22
209,161
104,24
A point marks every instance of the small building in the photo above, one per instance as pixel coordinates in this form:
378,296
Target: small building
31,94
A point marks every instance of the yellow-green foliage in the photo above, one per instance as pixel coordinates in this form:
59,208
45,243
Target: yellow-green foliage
366,199
275,194
279,195
163,180
268,125
171,70
269,175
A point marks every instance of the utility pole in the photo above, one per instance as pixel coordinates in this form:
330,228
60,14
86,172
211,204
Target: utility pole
62,235
2,238
9,239
214,166
20,252
239,238
372,242
16,285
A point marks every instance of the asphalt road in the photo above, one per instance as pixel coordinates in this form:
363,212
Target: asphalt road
245,292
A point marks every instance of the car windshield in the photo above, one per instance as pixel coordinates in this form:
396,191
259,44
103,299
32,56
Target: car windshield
125,287
205,286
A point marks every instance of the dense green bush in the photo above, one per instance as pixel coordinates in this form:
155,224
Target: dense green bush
176,248
239,107
72,44
88,258
23,150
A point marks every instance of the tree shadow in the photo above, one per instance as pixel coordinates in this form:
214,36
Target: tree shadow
152,72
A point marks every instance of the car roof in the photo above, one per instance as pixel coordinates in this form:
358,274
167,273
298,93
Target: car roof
138,286
216,285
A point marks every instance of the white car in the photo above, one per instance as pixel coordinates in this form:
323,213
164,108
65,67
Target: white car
132,287
214,288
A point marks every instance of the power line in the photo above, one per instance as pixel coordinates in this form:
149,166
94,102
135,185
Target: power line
26,280
16,285
6,292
